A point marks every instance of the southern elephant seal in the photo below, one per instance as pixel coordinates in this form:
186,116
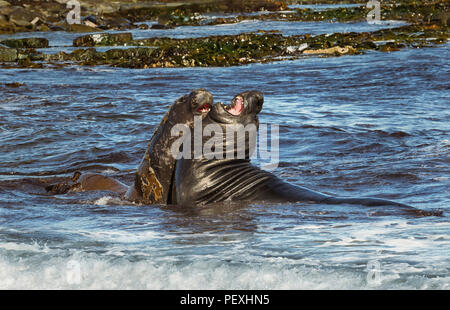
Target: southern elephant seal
152,182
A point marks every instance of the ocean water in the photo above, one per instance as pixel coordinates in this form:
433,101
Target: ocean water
324,7
369,125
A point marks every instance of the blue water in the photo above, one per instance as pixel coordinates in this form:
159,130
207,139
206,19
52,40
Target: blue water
373,125
324,7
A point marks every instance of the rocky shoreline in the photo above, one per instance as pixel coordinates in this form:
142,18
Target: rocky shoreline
428,27
51,15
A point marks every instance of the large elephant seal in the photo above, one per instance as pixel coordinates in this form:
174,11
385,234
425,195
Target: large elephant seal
152,183
202,180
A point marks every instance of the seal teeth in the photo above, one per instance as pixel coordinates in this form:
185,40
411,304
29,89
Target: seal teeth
204,108
236,106
230,106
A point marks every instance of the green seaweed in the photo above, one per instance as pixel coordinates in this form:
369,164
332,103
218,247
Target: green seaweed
232,50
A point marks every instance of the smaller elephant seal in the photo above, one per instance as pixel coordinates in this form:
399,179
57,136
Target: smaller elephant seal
153,179
203,180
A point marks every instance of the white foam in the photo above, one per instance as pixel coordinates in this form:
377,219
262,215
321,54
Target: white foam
120,236
109,171
336,258
103,201
35,247
308,227
98,272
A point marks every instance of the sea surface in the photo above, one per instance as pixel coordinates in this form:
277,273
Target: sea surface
375,125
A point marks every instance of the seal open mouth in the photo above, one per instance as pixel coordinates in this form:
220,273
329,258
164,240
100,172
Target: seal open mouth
204,108
236,106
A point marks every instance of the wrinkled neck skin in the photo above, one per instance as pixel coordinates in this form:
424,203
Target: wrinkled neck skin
237,136
153,177
210,177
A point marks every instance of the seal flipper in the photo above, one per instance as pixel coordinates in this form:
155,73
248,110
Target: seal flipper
64,187
292,193
58,189
376,202
369,202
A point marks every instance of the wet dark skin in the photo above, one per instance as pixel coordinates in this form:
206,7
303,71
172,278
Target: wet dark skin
153,177
152,182
200,181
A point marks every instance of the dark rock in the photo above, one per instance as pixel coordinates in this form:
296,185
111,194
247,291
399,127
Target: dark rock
115,54
21,17
391,47
161,26
8,54
89,54
117,23
143,26
101,8
91,19
43,28
6,27
6,10
56,28
81,28
254,5
52,12
366,45
60,56
130,53
26,43
105,39
3,20
14,84
25,62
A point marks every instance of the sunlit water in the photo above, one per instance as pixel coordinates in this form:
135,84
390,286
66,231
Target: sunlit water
370,125
324,7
